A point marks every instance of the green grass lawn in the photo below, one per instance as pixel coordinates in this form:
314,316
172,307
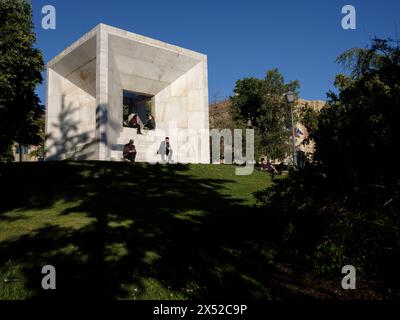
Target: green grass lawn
127,231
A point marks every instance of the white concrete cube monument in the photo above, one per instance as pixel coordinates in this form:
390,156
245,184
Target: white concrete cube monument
91,82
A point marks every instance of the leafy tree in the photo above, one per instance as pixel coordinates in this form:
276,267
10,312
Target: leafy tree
7,155
263,101
343,207
357,134
21,65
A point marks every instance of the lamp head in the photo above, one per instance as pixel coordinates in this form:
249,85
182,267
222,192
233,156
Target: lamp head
290,96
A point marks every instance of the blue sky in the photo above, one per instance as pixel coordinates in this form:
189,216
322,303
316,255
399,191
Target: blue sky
241,38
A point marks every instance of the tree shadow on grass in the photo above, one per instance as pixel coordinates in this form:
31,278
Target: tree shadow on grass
148,224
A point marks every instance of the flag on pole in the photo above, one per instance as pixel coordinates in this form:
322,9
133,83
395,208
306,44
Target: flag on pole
298,133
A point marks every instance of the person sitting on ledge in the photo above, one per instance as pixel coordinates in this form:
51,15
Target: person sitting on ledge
133,122
130,116
129,152
151,124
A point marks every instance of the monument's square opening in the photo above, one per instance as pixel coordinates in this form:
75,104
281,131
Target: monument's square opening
136,103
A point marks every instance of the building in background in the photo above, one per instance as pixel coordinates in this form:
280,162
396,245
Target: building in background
26,153
300,130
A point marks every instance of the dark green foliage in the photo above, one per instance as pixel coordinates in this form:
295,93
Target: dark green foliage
20,71
343,207
149,110
316,226
7,155
264,101
358,133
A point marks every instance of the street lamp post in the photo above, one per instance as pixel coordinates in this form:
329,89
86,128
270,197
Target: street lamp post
290,97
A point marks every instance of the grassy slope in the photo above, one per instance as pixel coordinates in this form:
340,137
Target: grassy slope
132,231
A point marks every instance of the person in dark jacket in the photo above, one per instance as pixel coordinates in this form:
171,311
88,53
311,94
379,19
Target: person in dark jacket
151,123
266,165
129,152
271,168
